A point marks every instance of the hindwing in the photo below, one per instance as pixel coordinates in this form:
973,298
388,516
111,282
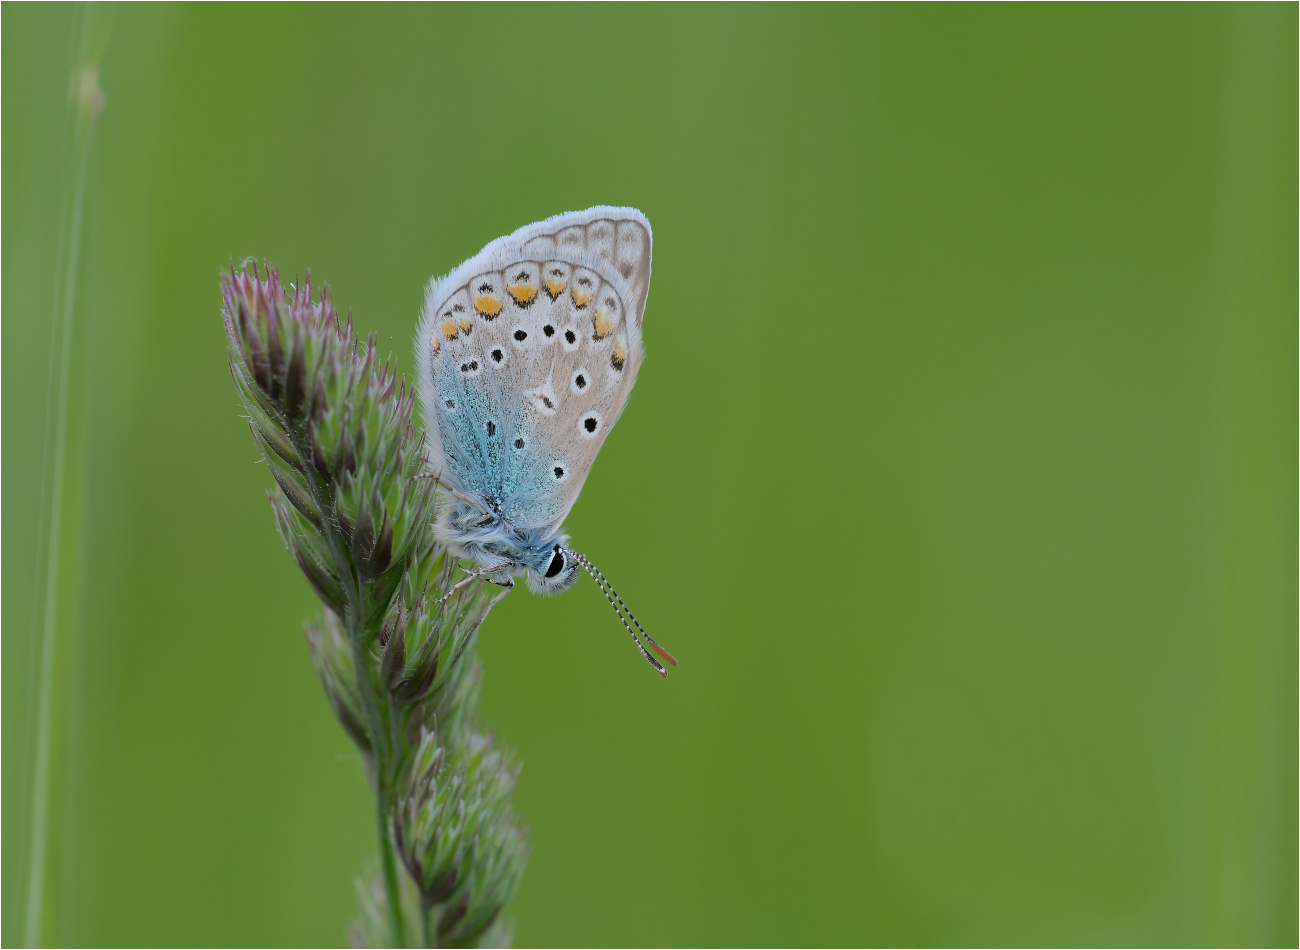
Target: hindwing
527,354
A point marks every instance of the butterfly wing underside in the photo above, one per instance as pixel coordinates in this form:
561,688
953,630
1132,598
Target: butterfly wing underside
528,352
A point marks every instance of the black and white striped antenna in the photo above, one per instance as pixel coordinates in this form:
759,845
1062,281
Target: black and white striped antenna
621,608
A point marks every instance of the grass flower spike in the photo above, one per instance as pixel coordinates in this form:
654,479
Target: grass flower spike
354,504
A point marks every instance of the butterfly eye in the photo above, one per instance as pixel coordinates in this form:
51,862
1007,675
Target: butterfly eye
557,563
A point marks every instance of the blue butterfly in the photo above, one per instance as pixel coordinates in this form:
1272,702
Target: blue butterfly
527,353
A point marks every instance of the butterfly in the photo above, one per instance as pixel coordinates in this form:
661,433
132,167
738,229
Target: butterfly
527,353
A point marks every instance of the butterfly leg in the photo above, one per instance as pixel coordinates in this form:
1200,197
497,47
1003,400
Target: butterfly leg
486,573
470,577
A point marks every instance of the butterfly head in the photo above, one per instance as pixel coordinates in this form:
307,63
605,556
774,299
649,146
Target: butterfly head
551,569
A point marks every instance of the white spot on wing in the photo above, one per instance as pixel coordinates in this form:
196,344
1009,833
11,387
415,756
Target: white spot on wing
542,398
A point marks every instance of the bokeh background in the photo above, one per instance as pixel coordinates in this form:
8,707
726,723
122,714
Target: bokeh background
961,475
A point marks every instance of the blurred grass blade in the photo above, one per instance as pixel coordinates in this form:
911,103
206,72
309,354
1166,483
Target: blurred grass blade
62,485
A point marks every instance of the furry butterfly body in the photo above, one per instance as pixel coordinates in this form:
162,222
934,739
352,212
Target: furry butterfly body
527,353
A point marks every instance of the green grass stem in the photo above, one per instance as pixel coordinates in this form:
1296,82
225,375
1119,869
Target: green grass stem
63,481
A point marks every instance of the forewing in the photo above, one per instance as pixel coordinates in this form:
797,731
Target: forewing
528,352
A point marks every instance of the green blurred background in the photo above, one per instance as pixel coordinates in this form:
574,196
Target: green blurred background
961,475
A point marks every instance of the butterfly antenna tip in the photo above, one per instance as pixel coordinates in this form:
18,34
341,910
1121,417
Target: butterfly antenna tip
668,657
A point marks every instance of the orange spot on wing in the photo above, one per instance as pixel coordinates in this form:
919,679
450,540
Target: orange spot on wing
466,325
603,325
553,286
449,329
434,345
582,297
522,293
487,305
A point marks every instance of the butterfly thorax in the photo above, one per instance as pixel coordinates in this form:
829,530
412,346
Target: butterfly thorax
507,551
